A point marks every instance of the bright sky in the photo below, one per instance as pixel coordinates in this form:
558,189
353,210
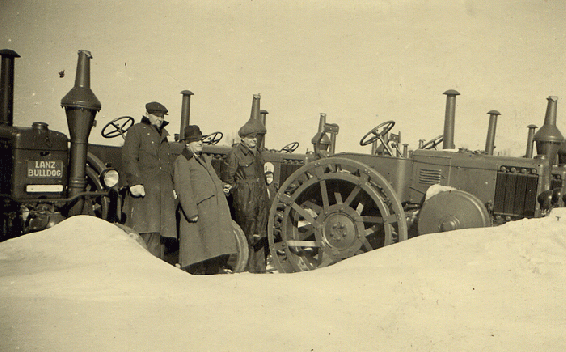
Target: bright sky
352,60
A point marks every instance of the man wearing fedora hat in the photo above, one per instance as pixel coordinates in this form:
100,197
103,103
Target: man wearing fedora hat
243,171
206,237
146,155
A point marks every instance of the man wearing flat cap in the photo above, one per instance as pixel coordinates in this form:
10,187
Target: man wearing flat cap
243,171
146,156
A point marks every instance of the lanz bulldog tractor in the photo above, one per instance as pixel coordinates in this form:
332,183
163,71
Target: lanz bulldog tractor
44,176
344,204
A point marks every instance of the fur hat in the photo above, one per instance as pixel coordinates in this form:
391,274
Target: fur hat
252,128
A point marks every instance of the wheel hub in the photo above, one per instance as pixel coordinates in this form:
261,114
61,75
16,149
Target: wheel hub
339,231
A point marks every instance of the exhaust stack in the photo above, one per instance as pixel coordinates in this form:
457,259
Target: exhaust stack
548,139
264,121
185,112
81,106
449,119
255,118
7,87
490,140
530,139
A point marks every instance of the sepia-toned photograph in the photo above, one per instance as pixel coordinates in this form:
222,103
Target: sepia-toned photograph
255,175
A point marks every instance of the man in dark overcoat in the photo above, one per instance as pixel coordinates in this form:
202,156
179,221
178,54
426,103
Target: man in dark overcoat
243,171
206,237
146,158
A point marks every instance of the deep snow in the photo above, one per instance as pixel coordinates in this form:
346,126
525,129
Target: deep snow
85,285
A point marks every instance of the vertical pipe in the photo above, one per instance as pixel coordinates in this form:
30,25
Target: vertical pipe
449,119
7,87
490,139
548,138
185,112
530,140
263,114
81,106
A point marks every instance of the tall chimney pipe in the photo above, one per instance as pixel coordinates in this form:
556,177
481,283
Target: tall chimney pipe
264,121
256,118
449,119
548,139
81,106
185,112
490,140
530,140
7,87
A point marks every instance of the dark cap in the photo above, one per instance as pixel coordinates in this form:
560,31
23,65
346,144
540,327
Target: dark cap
156,108
192,134
251,129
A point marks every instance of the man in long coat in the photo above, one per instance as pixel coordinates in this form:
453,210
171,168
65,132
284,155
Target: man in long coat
146,157
206,237
243,171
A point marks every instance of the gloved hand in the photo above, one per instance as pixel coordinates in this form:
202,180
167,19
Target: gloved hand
227,188
137,191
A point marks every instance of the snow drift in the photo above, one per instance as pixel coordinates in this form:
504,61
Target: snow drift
86,285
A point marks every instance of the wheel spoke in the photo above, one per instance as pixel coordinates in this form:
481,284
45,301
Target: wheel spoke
373,219
317,208
338,197
324,194
366,243
305,214
352,195
294,243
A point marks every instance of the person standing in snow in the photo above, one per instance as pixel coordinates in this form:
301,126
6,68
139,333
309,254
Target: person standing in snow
206,237
150,204
243,172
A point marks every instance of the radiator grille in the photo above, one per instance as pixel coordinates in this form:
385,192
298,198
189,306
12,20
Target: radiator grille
515,194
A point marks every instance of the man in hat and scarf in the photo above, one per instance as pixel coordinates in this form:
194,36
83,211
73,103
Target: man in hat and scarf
150,205
206,237
243,171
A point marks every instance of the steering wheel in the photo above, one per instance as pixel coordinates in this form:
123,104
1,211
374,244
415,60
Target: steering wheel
433,142
291,147
118,126
375,134
212,138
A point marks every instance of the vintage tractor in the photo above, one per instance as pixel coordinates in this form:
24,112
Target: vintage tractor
45,176
343,204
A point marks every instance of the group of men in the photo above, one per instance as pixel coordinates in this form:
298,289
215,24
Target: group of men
161,190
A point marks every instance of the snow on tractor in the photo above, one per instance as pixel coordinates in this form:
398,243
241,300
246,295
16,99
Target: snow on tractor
343,204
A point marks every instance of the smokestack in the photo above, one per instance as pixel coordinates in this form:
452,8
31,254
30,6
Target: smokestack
7,87
548,139
490,140
81,106
449,119
185,112
530,139
264,121
321,141
255,118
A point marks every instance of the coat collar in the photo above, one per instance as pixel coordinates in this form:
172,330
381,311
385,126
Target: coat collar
147,122
245,150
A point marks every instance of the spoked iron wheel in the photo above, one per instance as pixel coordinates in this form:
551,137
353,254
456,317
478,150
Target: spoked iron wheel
330,210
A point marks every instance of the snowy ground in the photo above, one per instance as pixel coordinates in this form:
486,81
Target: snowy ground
85,285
